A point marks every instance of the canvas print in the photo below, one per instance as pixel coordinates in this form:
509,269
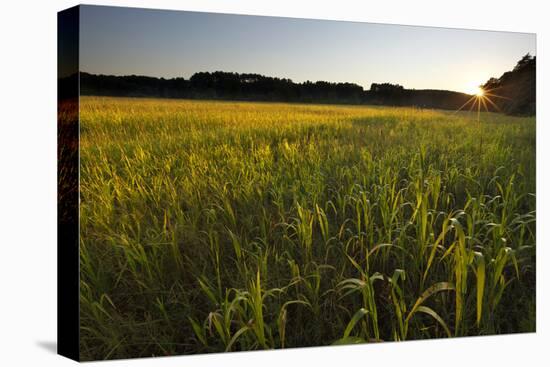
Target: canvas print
237,183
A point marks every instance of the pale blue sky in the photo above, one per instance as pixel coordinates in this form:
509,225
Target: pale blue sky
123,41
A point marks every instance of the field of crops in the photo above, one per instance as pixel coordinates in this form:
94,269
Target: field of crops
224,226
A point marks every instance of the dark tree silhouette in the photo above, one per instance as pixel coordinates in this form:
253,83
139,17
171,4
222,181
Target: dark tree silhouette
515,91
515,88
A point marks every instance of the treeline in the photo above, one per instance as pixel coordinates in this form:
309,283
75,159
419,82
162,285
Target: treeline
396,95
235,86
515,90
221,85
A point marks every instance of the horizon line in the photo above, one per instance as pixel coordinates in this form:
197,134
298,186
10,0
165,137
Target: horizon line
268,76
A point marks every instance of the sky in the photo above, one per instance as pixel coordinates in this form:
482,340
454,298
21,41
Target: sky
125,41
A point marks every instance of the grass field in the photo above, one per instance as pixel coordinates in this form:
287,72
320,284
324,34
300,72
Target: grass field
223,226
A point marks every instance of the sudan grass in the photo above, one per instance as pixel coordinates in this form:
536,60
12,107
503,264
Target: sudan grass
222,226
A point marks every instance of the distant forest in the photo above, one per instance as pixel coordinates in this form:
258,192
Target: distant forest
512,93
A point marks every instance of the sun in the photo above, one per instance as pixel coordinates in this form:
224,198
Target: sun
480,96
475,90
479,92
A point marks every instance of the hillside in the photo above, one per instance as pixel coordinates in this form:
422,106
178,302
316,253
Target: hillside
514,92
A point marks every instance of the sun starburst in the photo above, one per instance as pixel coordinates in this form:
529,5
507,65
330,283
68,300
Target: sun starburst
479,97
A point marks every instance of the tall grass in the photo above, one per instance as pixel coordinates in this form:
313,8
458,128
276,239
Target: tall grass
222,226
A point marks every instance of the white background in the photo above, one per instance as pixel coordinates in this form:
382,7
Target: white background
28,182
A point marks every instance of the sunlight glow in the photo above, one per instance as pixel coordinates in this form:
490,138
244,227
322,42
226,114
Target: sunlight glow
481,97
